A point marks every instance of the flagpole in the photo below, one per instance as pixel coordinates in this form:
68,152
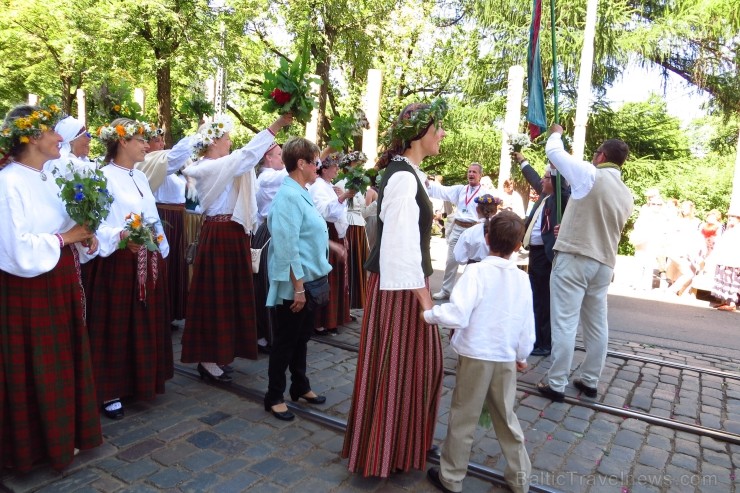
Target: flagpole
558,208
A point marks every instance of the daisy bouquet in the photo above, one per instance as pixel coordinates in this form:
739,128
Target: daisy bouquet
519,142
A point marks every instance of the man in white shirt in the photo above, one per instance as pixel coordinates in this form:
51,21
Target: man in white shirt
586,250
463,196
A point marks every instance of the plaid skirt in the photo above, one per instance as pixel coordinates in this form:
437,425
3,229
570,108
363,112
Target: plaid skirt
397,386
48,405
357,253
726,283
336,313
220,317
173,222
265,316
131,340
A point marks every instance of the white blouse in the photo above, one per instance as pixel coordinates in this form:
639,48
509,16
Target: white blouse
327,203
268,183
171,191
32,214
131,194
400,247
471,245
355,206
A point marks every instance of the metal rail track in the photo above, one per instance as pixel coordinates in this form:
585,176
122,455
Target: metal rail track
477,470
720,435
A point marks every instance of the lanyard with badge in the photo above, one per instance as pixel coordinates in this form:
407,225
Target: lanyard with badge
468,199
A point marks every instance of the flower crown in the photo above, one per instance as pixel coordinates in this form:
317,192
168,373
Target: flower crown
26,127
411,123
108,133
153,131
354,156
333,159
487,199
208,132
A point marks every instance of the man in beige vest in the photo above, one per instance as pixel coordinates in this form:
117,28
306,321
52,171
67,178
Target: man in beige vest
585,254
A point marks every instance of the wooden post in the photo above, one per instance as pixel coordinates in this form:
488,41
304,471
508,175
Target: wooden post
140,98
584,80
514,92
372,112
33,99
81,106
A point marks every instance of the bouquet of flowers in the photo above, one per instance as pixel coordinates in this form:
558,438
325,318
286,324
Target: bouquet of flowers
344,128
85,196
358,178
519,142
288,89
140,232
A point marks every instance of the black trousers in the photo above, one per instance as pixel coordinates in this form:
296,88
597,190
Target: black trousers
289,346
539,278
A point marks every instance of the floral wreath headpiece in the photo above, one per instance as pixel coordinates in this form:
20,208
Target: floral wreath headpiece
153,131
409,125
26,127
333,159
487,199
355,156
213,130
108,133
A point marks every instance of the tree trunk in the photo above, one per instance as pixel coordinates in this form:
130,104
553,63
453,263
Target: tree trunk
322,70
67,97
164,100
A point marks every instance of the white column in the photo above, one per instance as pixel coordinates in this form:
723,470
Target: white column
140,98
514,92
33,99
81,106
312,127
584,80
372,112
735,196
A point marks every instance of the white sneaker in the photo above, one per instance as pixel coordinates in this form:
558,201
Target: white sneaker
440,295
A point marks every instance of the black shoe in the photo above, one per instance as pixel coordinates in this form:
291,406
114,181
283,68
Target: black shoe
319,399
113,413
587,391
267,349
538,351
281,415
433,477
554,395
227,368
433,450
207,375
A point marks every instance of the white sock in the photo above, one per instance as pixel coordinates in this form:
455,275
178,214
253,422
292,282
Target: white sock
262,341
213,369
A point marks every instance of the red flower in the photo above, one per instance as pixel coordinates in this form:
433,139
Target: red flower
281,97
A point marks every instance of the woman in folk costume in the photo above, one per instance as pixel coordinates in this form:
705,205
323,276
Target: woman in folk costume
270,175
357,247
127,290
48,405
161,167
73,150
220,316
399,367
331,203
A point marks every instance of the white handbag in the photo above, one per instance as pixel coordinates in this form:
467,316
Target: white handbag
256,256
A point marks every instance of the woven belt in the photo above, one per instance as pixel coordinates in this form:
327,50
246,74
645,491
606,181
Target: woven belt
464,225
219,218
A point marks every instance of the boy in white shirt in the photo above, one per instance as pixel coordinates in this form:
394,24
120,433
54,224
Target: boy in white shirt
491,311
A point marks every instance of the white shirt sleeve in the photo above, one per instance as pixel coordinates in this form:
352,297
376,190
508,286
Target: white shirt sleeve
464,248
326,201
450,194
581,175
179,154
400,247
464,298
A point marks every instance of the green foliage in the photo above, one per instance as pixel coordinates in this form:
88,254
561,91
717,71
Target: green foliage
288,90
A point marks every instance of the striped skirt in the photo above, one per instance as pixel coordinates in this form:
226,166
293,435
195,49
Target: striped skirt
726,283
131,340
336,313
397,386
357,253
48,405
220,317
265,316
173,222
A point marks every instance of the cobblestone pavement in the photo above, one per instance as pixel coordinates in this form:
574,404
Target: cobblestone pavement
198,437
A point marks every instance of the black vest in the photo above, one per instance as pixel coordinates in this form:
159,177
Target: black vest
426,217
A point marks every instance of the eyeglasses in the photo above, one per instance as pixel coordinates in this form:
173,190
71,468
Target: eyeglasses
315,163
141,140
